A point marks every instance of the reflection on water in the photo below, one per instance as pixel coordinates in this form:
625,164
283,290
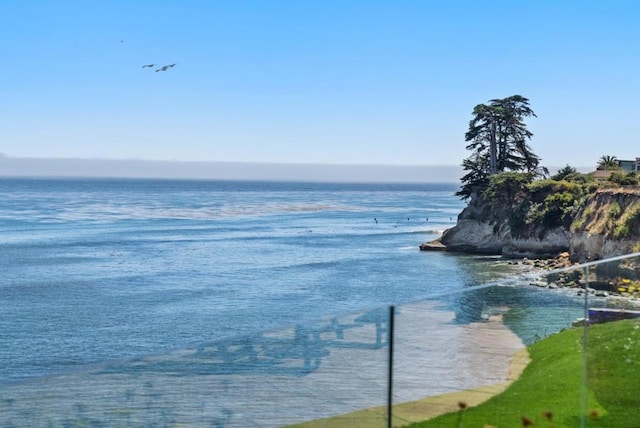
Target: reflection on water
305,372
296,351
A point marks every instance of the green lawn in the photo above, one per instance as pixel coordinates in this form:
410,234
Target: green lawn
549,392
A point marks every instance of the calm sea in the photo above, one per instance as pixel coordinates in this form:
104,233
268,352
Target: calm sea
101,269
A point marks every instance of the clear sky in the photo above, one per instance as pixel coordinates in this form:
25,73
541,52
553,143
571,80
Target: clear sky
338,82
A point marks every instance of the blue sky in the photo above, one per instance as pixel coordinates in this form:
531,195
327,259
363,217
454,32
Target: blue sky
339,82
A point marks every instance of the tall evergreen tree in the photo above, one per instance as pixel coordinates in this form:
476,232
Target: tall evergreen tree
498,139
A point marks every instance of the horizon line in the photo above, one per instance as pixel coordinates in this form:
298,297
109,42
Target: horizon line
228,170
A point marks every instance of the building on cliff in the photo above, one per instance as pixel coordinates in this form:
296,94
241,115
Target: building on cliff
629,165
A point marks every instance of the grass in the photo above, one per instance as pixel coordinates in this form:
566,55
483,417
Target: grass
549,391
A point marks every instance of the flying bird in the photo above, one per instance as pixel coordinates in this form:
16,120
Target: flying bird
165,67
148,65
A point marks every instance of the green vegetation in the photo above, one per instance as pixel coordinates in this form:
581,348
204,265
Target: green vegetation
557,202
624,179
627,222
608,162
549,392
614,210
564,172
498,138
508,189
503,171
579,221
532,205
547,203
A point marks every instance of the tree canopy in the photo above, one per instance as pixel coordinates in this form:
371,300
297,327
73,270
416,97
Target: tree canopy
564,172
608,162
498,139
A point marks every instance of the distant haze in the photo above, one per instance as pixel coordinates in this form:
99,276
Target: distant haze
59,167
136,168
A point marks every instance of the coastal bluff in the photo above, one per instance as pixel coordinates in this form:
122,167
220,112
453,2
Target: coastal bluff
605,223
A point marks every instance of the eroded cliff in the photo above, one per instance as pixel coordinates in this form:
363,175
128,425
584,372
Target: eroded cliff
607,224
603,223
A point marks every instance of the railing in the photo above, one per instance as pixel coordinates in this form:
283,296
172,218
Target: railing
387,366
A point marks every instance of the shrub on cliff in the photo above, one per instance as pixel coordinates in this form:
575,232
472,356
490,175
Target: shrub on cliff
508,196
630,179
540,189
577,177
508,188
563,172
529,205
628,222
558,209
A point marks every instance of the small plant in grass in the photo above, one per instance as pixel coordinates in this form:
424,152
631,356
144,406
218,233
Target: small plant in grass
614,210
462,406
526,422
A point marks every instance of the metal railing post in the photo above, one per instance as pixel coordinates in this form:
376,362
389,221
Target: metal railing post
585,348
390,368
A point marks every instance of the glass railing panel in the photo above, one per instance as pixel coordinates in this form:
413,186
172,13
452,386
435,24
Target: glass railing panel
612,343
546,347
307,372
458,356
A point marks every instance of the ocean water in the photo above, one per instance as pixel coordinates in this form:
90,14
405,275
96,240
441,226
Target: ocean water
93,270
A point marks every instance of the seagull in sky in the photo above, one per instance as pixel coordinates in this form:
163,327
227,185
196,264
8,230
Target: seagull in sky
165,67
148,65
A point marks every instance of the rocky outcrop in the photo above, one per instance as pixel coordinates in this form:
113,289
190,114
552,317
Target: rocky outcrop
607,224
474,236
480,229
485,229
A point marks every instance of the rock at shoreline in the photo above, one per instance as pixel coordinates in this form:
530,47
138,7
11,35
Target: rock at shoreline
595,232
434,245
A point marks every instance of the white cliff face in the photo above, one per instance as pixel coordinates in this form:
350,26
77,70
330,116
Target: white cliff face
478,230
479,237
470,235
553,242
585,246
